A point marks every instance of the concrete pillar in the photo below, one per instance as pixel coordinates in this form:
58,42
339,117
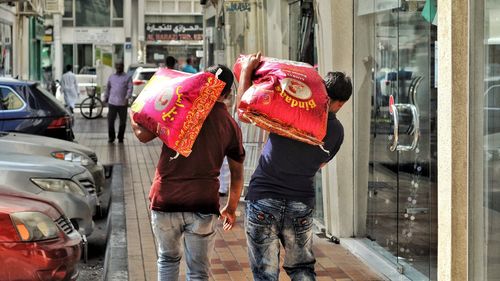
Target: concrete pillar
58,50
140,34
127,26
453,169
336,53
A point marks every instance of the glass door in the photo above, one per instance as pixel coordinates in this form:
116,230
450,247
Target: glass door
401,212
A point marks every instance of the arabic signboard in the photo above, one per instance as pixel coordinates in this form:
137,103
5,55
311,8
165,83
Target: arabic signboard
173,31
238,6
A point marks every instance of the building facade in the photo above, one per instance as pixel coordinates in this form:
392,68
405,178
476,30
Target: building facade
413,190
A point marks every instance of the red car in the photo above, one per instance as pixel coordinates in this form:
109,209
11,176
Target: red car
37,242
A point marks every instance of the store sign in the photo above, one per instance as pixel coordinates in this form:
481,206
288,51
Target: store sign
92,35
48,37
173,31
238,6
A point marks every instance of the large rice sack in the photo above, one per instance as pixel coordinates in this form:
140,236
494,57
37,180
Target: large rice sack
287,98
174,105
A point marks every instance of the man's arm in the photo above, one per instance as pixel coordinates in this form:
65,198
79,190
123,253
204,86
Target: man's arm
105,98
247,70
228,213
129,88
142,134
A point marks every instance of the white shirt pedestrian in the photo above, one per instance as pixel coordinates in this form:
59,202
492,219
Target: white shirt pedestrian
69,87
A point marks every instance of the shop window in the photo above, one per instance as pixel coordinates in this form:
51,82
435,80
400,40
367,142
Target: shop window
485,141
93,13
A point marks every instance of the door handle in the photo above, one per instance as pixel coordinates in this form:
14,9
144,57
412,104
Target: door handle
415,124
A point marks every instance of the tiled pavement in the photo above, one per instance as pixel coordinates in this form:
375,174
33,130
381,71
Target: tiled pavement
229,261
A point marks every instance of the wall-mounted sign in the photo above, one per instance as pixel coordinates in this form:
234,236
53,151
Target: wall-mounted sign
237,6
92,35
173,31
48,36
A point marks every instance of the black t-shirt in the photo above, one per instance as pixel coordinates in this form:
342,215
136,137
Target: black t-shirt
191,184
287,167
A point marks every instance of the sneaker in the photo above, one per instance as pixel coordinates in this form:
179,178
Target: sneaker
111,141
120,141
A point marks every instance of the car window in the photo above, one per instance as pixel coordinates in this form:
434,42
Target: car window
146,75
9,100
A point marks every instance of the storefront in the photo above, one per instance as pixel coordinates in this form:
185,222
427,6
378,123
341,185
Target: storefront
395,49
180,40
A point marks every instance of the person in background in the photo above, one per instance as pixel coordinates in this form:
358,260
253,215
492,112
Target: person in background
189,67
281,196
224,179
118,92
69,87
184,194
170,62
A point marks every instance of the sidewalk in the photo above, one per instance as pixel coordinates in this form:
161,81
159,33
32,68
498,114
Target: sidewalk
229,261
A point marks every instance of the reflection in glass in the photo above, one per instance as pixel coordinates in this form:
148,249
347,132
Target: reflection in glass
397,43
92,13
487,111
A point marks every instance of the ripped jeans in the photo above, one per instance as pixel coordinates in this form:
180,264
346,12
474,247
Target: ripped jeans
269,222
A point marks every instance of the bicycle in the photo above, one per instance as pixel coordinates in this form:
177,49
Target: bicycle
91,107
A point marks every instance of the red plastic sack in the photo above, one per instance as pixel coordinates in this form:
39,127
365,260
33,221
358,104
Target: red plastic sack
287,98
174,105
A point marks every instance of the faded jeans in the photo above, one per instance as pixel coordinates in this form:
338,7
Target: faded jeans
195,231
271,221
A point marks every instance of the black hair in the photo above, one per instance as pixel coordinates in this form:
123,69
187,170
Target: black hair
170,62
189,61
226,76
69,67
338,86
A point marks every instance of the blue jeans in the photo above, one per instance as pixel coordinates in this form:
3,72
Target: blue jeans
196,231
271,221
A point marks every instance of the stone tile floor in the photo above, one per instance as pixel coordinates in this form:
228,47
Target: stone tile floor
229,261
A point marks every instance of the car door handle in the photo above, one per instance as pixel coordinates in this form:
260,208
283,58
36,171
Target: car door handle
415,124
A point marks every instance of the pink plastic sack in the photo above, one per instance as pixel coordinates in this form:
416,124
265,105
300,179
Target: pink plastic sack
287,98
174,105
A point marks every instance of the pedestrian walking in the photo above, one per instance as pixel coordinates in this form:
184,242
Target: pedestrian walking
170,62
184,198
118,92
69,87
281,197
188,67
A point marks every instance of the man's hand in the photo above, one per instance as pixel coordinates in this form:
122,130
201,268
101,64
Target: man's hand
228,218
143,134
247,69
251,63
228,213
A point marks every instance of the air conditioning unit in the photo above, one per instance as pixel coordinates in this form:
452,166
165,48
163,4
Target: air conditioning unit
54,6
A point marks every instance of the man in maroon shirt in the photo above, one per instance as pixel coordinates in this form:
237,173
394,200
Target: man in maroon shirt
184,195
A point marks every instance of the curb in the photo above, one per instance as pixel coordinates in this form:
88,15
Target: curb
115,260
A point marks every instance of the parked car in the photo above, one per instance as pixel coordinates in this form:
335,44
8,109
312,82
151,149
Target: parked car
28,108
37,241
133,67
68,185
59,149
140,79
88,70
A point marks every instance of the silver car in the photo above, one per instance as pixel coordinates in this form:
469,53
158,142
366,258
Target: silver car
68,185
59,149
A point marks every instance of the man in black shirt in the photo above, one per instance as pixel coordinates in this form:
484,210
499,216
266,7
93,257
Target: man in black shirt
281,196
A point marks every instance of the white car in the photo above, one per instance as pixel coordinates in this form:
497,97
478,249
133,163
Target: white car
68,185
64,150
140,78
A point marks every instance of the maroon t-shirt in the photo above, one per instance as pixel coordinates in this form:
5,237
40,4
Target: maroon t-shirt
191,184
